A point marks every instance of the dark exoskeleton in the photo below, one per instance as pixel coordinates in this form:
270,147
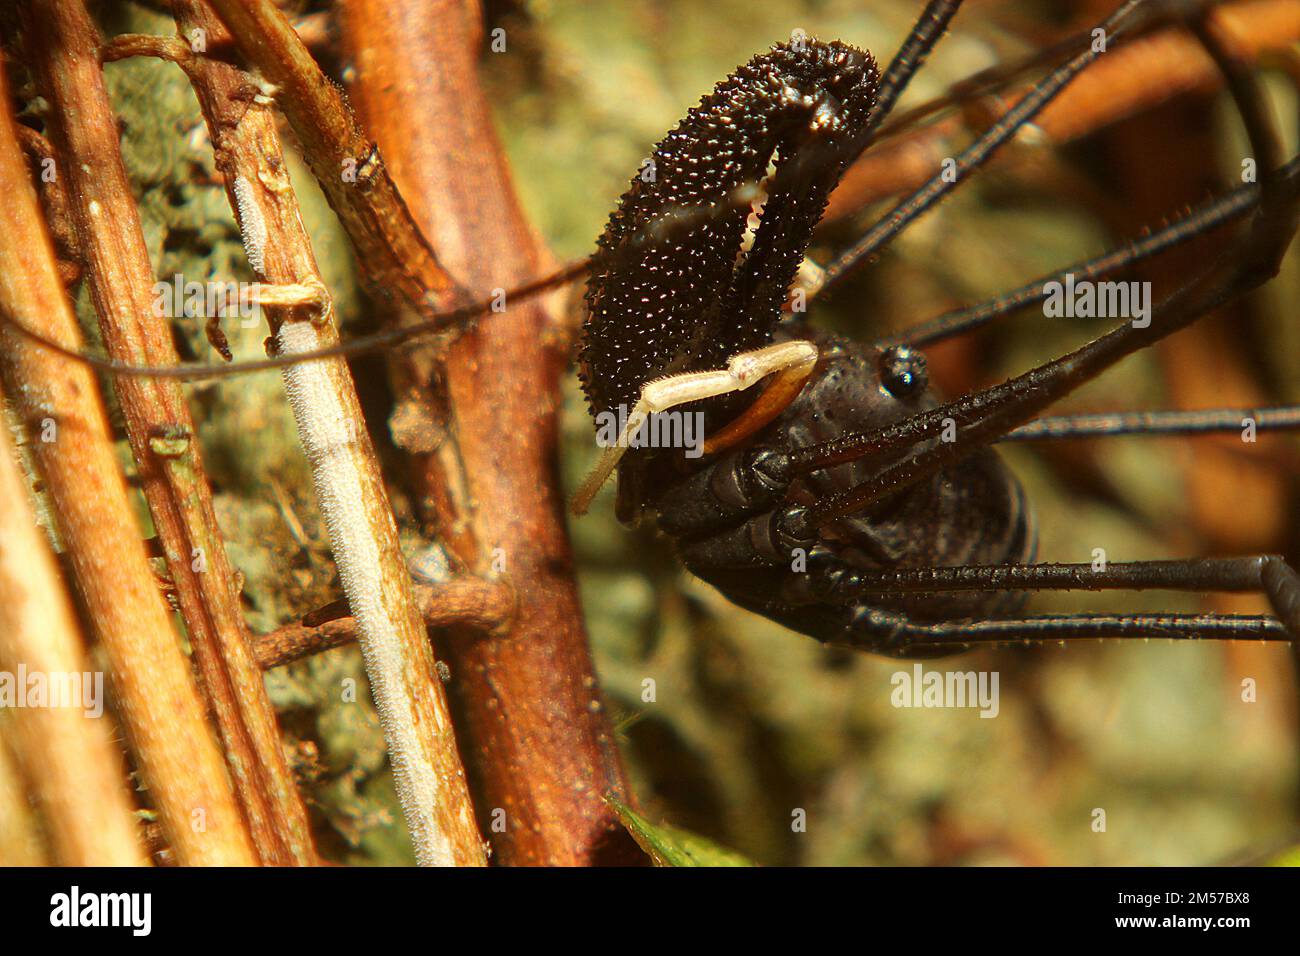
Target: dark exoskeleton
864,512
735,518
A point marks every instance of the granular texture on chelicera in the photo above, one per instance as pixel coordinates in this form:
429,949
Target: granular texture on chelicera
669,289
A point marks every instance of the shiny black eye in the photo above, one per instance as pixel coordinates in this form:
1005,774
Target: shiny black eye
902,372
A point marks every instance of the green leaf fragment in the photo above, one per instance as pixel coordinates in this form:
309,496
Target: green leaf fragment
672,846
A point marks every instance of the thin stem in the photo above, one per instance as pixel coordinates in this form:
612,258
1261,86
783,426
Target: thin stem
427,771
393,254
462,602
527,697
181,765
163,439
67,752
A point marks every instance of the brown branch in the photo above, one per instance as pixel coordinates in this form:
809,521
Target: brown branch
1132,78
127,45
67,753
463,602
20,844
54,202
163,714
363,533
62,48
391,250
529,706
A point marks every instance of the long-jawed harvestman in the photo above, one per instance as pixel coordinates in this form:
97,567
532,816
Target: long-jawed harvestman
847,502
910,537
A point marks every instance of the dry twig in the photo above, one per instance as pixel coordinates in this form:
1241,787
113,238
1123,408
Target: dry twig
530,711
62,47
67,753
162,712
463,602
391,250
349,486
18,829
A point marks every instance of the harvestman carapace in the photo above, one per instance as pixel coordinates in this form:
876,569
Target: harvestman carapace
846,501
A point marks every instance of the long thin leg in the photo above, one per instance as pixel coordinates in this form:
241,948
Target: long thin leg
930,26
983,416
1203,219
1269,575
893,633
990,80
442,322
829,580
976,154
1199,422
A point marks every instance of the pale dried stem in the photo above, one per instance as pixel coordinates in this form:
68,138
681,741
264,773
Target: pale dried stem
392,252
163,715
20,843
62,47
529,707
66,753
412,708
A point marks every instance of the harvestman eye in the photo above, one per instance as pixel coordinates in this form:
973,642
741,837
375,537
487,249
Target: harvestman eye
903,372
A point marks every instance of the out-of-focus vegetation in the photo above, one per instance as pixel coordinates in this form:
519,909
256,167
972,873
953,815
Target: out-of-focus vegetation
749,723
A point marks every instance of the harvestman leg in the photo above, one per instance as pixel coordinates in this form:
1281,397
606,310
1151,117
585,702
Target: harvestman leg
1266,574
982,417
884,631
975,155
929,27
985,416
707,509
1198,222
790,362
991,414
